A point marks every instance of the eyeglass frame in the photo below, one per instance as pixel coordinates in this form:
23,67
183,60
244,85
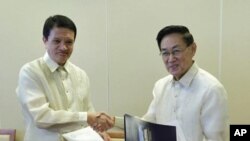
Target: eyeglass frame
174,52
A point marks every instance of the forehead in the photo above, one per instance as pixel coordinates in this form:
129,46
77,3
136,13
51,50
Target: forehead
61,32
172,40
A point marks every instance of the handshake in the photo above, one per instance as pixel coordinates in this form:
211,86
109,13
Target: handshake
100,121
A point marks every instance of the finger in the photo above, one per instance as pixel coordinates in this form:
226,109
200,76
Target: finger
110,123
104,115
106,121
103,126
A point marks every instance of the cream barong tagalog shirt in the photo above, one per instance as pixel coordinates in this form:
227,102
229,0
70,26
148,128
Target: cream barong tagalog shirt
197,103
54,99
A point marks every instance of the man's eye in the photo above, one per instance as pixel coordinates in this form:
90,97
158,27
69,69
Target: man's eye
165,53
175,52
56,41
69,42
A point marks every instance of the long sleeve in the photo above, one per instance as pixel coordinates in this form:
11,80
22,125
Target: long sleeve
150,115
157,94
214,118
119,122
44,105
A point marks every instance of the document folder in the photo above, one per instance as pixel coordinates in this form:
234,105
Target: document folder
140,130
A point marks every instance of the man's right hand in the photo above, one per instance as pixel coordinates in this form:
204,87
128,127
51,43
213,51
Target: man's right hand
100,121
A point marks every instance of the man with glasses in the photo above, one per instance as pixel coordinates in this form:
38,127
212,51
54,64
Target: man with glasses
190,98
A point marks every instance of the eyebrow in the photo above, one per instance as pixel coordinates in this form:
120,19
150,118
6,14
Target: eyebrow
174,47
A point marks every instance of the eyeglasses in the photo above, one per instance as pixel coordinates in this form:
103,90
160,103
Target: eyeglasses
175,52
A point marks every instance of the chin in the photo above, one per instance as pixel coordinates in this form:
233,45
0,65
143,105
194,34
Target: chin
61,62
175,74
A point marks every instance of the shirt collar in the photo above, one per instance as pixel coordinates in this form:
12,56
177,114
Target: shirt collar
52,64
187,78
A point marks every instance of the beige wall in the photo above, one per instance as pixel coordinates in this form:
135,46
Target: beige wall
117,48
235,58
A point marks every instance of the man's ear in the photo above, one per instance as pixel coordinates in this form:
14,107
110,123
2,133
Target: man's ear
193,48
44,40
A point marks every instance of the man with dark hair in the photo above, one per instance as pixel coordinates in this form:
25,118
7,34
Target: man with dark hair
190,98
53,92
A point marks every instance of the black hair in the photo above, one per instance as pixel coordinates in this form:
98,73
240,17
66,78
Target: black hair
58,21
187,36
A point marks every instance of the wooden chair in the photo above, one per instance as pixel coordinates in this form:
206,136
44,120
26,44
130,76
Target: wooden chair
7,134
116,135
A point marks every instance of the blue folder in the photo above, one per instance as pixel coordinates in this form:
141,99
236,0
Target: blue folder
140,130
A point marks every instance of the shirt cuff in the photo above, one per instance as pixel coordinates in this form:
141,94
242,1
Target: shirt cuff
119,122
83,116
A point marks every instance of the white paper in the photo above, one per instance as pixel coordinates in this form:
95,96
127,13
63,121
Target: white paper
84,134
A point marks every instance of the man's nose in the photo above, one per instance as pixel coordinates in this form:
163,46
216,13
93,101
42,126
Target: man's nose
171,57
63,46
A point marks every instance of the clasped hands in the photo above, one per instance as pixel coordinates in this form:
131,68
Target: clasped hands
100,121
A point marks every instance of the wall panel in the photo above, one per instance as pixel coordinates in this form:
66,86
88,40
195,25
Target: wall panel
235,58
